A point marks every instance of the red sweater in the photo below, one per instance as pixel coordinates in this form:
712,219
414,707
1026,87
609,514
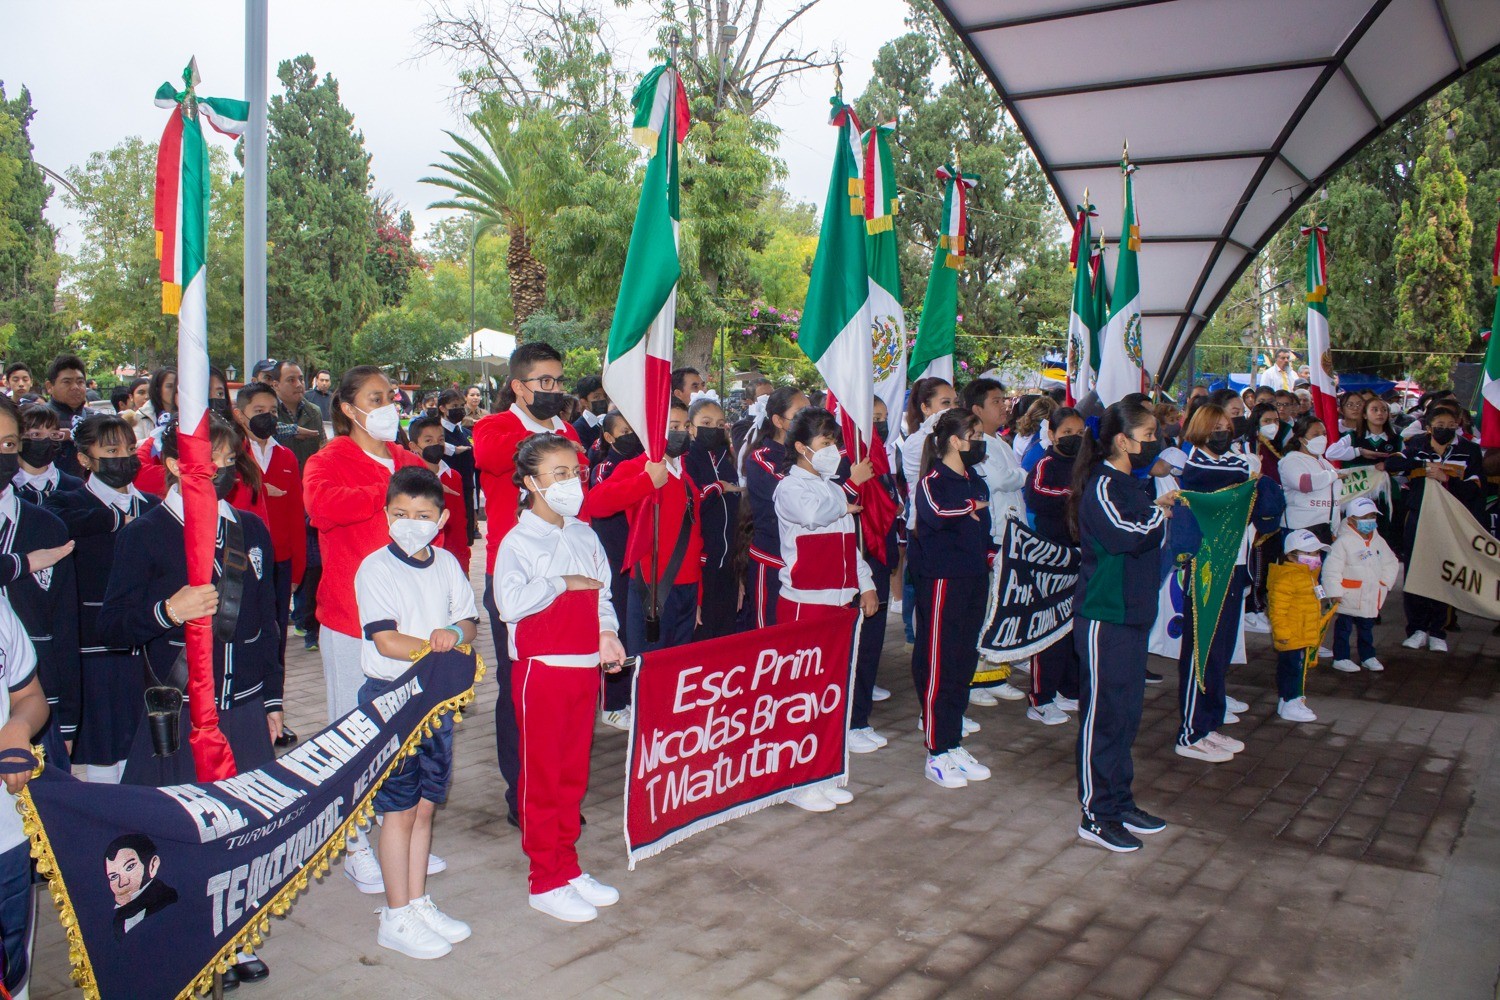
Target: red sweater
630,490
153,475
344,489
455,536
287,516
496,438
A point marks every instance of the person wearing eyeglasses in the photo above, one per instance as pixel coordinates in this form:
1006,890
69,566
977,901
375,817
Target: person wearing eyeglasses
38,477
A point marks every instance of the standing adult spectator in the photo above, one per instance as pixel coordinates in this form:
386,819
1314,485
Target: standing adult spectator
265,371
17,379
91,392
590,422
685,382
473,406
1280,374
321,393
66,387
299,423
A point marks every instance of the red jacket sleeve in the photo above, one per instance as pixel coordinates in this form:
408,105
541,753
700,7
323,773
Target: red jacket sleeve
495,442
335,498
629,485
291,482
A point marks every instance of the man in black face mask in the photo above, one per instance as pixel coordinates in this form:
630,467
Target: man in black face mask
590,422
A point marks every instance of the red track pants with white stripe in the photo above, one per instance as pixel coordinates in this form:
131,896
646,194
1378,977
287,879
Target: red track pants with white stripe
950,613
555,717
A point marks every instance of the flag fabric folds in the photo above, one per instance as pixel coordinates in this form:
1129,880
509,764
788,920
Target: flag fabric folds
181,213
1319,350
1489,418
932,354
1121,364
1083,322
887,317
638,356
1223,516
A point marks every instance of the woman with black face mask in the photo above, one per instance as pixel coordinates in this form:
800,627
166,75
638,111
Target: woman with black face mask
112,672
1054,671
710,465
38,478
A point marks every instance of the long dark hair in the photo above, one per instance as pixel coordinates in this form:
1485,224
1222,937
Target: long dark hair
349,385
1122,418
220,433
810,422
1300,428
155,389
777,404
953,423
922,391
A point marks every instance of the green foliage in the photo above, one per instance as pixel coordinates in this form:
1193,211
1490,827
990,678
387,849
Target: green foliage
564,334
29,266
581,361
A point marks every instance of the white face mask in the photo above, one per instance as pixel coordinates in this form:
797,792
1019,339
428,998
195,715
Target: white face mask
1268,431
565,497
412,536
825,461
1317,445
383,422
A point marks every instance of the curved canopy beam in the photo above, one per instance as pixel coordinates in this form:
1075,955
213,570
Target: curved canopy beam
1236,112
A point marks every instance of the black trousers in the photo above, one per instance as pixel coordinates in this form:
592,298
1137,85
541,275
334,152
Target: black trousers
871,642
1054,671
721,591
1203,711
1111,689
950,614
507,734
283,604
305,600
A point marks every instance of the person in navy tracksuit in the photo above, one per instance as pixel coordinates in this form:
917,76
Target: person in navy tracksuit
617,443
1120,527
710,466
760,463
1049,488
949,551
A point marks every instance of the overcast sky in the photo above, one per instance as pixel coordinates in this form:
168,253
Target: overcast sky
93,65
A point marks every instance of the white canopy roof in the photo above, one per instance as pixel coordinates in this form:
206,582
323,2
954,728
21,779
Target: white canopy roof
1236,112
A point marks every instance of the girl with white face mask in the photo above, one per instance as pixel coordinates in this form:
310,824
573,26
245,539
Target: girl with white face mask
1310,481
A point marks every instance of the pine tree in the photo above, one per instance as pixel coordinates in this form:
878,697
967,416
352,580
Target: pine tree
29,266
1434,293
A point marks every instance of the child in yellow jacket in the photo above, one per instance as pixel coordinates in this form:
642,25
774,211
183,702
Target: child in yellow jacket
1298,618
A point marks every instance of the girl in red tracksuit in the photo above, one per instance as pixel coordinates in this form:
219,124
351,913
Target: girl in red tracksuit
552,589
760,472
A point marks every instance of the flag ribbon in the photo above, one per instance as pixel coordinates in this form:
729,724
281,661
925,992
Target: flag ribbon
1084,211
1317,279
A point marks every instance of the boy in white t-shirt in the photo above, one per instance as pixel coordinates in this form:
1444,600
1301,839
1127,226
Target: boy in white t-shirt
410,594
22,714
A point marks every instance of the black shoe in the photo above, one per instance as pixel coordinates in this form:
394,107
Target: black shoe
1153,677
252,971
1140,821
231,979
1110,835
582,821
287,737
512,818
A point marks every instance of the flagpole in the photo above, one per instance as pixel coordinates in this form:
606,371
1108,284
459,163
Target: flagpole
255,183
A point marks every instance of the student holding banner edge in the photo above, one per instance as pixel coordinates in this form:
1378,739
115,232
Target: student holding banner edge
1049,489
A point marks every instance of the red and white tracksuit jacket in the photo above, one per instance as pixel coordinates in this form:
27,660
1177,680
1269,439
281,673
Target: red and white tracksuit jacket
818,543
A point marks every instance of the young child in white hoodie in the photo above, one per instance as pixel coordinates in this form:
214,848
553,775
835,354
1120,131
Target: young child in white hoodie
1359,572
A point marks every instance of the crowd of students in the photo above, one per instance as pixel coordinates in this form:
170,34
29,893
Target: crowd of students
362,543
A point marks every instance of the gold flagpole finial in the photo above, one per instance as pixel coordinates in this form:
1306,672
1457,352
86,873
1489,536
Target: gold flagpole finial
838,78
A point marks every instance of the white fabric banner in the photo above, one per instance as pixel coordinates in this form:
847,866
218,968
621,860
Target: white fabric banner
1454,560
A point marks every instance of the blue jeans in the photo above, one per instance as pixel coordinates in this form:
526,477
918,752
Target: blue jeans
1342,626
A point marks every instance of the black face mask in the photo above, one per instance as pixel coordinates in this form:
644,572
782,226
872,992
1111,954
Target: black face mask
882,428
262,425
219,406
711,439
677,443
599,407
546,405
1219,441
975,454
38,453
1241,426
1068,447
455,414
433,454
9,465
1444,435
225,480
117,473
627,445
431,411
1146,457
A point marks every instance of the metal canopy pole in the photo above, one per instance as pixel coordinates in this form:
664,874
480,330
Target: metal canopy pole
256,55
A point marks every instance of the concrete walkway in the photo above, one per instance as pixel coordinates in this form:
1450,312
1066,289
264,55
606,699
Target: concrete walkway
1358,856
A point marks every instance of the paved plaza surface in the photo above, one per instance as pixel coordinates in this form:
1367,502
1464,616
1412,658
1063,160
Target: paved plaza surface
1358,856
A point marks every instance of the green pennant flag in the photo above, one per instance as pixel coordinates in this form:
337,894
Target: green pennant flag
1222,516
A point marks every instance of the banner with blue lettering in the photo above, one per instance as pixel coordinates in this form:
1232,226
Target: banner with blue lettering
160,887
1031,595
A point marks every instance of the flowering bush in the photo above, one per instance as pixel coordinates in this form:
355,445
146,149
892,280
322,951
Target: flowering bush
764,322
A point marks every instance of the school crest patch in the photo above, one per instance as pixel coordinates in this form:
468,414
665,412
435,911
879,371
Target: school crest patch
44,578
256,561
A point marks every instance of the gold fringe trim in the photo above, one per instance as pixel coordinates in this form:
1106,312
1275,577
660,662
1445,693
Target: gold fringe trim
1318,294
954,261
1200,656
878,225
171,299
1495,281
644,136
856,187
257,928
856,206
1134,242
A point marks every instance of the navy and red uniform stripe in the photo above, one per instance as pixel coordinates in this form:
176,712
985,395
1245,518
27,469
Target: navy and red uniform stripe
762,573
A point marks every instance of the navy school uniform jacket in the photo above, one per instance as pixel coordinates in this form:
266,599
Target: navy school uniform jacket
1204,473
718,512
157,568
461,461
33,493
93,525
762,474
1120,531
613,530
47,604
1048,487
589,434
67,451
948,540
1467,489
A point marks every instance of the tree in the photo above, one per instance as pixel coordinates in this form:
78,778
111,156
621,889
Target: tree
319,215
392,257
1434,293
29,266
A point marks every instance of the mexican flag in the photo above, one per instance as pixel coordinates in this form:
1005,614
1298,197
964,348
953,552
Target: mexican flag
1121,369
1319,351
638,356
1083,323
887,318
1101,296
1489,427
837,317
181,214
932,354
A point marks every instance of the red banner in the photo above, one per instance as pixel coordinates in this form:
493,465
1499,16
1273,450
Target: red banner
726,727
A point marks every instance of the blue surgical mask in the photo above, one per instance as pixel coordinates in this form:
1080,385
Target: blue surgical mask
1364,525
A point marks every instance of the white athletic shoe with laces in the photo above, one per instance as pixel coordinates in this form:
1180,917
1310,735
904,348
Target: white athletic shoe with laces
446,927
982,697
838,796
811,800
435,864
362,868
594,892
1295,710
1227,742
971,768
1437,645
1346,666
1373,665
1235,705
944,770
1416,640
564,903
861,741
879,693
1066,704
1048,714
1205,750
1009,692
403,930
1256,622
618,719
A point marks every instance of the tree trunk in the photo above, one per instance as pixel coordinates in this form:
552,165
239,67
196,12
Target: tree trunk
528,276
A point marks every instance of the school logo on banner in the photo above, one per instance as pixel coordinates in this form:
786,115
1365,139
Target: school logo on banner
727,727
160,887
1031,594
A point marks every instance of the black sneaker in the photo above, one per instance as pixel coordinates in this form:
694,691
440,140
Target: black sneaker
1109,835
1140,821
1152,677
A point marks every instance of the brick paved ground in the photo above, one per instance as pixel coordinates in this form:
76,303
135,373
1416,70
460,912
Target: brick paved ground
1327,860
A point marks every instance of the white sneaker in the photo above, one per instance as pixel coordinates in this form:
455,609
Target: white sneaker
1256,622
1204,750
971,768
941,768
1008,692
362,868
1437,645
838,796
1346,666
869,733
620,720
1324,652
450,930
970,727
858,741
405,931
1066,704
982,697
895,605
1295,710
1048,714
1416,640
1373,665
1236,706
564,903
594,892
811,800
879,694
435,864
1227,742
1230,718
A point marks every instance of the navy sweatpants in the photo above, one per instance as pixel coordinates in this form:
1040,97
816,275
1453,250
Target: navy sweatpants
1203,711
871,642
678,613
950,613
1111,688
1054,671
507,735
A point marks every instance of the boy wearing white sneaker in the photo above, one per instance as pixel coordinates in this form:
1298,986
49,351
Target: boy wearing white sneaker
1359,572
1294,600
412,594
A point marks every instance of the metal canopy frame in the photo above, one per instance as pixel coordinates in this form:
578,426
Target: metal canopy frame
1303,85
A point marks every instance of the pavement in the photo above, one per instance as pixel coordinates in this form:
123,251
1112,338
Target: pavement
1358,856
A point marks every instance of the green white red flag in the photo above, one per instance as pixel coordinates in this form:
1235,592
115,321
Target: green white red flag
638,356
181,221
1121,364
1319,349
1489,424
1083,322
887,316
932,354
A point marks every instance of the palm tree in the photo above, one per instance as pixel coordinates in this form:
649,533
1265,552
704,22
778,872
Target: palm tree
480,174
